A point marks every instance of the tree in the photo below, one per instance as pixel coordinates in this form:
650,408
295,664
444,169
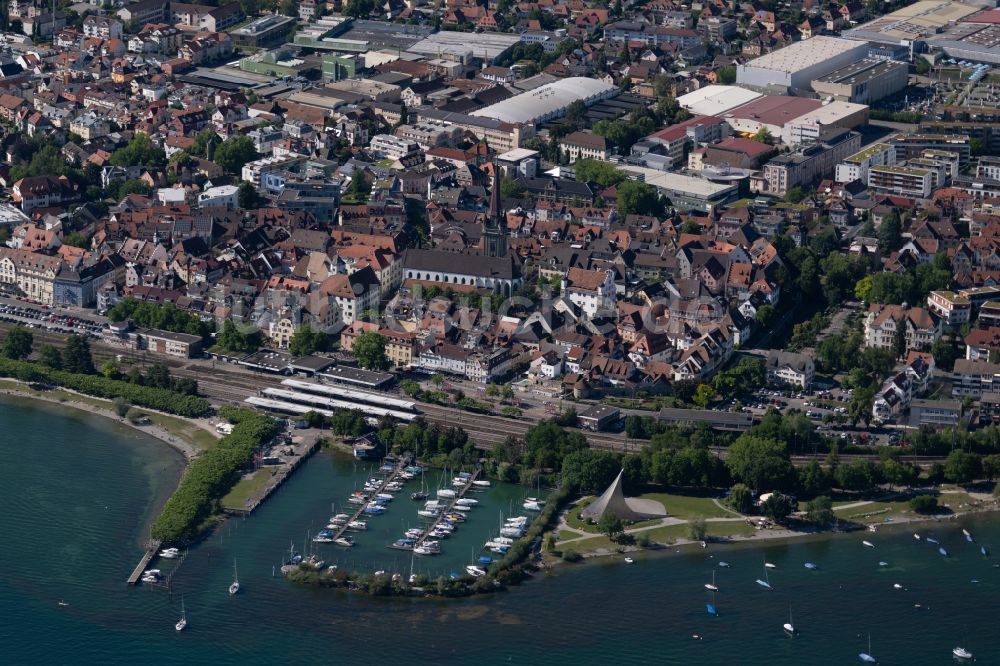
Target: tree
639,199
740,498
726,75
17,344
306,341
359,8
860,475
76,356
814,479
121,406
76,239
991,467
795,195
140,151
962,467
590,470
890,233
248,196
945,353
697,528
767,315
899,474
704,395
605,174
611,526
924,504
760,462
369,349
763,135
232,339
50,356
777,507
109,368
819,511
234,152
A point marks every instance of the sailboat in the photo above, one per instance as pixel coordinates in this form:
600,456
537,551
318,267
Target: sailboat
711,586
968,536
788,626
234,587
766,584
712,610
183,622
984,551
867,656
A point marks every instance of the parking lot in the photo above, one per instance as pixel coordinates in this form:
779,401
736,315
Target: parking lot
43,318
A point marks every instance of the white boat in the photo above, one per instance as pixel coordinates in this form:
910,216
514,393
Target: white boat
532,506
897,586
812,566
867,544
766,584
169,553
916,536
629,560
385,496
867,656
473,570
422,550
467,501
788,626
344,541
181,623
961,653
357,525
724,564
234,587
711,586
482,483
447,493
428,513
768,565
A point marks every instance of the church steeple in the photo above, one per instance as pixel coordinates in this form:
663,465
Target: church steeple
495,236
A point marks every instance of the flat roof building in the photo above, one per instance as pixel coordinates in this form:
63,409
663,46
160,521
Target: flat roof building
716,100
685,192
464,46
796,65
264,32
549,101
863,82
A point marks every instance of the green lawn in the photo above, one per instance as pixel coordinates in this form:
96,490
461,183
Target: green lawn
686,506
245,488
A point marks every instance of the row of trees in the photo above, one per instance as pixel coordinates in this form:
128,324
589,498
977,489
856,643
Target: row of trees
211,475
164,316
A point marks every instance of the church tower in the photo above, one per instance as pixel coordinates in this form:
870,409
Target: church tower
495,236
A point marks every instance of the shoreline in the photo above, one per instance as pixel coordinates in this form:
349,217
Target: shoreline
161,433
553,562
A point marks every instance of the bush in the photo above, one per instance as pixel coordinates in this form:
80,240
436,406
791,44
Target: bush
924,504
121,406
570,555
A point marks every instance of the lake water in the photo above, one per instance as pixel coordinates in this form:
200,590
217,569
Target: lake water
77,490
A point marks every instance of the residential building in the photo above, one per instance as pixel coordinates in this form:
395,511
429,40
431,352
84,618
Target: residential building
975,378
790,368
951,308
584,145
810,163
855,167
902,180
29,274
882,321
593,291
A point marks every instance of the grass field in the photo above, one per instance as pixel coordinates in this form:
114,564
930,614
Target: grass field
687,506
246,488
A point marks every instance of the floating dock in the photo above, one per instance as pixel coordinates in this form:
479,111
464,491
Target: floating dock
451,507
147,558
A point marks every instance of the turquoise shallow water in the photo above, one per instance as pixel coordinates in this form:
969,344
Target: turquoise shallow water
76,491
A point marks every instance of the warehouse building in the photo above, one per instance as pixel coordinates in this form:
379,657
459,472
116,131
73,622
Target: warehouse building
716,100
549,101
797,65
863,82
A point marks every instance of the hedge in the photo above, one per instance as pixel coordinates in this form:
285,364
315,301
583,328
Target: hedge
163,400
212,474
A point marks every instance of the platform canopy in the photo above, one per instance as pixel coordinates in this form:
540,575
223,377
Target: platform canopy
614,501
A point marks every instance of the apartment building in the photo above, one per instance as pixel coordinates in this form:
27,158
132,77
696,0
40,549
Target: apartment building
953,309
908,181
856,166
809,163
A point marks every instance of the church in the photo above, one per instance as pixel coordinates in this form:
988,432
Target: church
494,268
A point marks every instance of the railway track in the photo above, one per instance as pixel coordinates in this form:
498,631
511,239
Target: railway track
229,386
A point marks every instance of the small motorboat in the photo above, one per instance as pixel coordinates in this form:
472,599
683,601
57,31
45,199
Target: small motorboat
897,586
883,563
629,560
916,536
812,566
931,540
724,565
63,603
418,496
473,570
770,566
481,483
867,544
961,653
943,552
711,610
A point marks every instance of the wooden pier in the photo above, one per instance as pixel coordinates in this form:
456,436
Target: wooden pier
392,476
151,551
450,507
